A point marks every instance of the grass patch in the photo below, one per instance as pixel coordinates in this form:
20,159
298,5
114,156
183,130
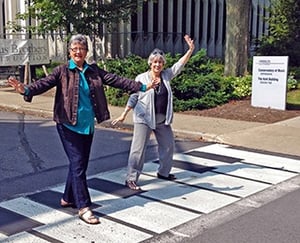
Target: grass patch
293,100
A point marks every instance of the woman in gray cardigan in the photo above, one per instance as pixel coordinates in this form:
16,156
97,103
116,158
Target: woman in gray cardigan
153,111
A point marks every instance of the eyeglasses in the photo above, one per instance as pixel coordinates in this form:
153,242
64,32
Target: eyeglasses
158,52
77,49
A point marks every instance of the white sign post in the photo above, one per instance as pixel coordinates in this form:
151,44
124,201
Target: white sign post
269,82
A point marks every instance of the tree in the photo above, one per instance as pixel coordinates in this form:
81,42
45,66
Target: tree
284,31
237,37
81,16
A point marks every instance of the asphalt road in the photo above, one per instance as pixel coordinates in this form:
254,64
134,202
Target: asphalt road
32,161
32,157
277,222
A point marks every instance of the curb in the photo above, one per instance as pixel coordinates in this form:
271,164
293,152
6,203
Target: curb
183,134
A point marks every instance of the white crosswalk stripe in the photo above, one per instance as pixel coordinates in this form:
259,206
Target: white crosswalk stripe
208,178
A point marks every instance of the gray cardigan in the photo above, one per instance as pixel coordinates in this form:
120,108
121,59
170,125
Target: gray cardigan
143,102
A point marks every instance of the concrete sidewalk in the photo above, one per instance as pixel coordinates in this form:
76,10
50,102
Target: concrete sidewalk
281,137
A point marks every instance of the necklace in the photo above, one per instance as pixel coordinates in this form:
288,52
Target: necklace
157,88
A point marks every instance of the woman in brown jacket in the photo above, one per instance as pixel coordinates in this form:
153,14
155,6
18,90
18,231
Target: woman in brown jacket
79,99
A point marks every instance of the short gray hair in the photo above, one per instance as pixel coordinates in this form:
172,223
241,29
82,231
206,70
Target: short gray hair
156,53
80,39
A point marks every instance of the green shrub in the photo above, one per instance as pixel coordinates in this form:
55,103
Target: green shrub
242,87
292,82
295,71
201,84
210,100
198,91
128,67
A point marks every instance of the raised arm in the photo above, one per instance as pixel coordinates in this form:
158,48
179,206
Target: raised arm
184,59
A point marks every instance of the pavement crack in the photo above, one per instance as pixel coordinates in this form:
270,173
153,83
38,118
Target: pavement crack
34,160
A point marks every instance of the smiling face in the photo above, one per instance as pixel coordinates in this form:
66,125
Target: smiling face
78,53
156,61
157,65
78,48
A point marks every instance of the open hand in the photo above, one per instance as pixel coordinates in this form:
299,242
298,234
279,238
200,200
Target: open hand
190,42
119,119
17,85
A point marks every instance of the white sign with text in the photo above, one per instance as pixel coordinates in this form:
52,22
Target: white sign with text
269,82
19,52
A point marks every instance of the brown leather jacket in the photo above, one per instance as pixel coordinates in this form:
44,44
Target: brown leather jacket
66,82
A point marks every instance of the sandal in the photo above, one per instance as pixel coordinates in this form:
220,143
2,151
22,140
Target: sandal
86,215
65,204
132,185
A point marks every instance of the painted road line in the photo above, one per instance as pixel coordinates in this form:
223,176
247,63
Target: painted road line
22,238
134,211
208,178
266,160
66,228
241,170
220,182
175,194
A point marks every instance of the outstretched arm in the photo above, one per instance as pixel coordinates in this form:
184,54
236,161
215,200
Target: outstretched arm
133,100
122,117
184,59
17,85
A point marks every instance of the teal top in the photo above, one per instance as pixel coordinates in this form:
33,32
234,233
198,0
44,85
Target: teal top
85,113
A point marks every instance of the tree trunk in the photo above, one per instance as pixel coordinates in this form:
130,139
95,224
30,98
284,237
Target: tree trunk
237,37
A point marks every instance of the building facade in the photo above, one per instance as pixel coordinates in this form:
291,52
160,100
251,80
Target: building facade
160,23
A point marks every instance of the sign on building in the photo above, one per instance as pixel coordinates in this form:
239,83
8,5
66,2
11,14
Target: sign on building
19,52
269,82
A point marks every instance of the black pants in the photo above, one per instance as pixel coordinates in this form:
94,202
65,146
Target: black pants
77,148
